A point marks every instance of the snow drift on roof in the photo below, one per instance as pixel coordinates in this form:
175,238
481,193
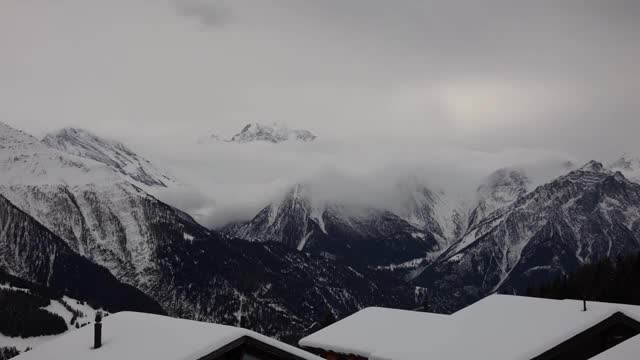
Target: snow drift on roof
500,327
130,335
372,329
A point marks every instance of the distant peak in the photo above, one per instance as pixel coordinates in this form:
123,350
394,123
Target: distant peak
592,166
274,133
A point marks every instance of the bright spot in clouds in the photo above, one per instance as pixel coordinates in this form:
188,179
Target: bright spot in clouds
475,105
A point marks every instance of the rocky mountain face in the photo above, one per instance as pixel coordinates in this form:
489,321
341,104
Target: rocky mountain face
100,218
578,218
269,288
117,226
358,235
31,252
271,133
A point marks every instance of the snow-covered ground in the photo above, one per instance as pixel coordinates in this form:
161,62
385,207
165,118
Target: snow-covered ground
86,314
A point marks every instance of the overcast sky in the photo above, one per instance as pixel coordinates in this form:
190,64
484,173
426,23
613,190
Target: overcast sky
480,74
555,78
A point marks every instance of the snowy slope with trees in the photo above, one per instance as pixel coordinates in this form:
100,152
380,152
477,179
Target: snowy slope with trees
32,314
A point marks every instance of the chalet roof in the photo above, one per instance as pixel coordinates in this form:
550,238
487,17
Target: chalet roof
366,331
625,351
129,335
498,327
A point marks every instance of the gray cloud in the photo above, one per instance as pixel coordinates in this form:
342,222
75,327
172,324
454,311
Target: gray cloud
484,75
243,178
208,12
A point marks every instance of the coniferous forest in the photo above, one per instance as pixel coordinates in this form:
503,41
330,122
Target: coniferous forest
21,314
8,352
609,280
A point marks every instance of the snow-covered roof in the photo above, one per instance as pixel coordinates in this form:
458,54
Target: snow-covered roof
129,335
498,327
372,329
629,349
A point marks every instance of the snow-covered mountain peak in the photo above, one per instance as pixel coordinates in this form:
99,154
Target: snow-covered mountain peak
274,133
592,172
593,166
115,155
24,160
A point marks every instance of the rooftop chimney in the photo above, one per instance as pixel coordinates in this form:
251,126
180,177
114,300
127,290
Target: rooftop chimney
97,336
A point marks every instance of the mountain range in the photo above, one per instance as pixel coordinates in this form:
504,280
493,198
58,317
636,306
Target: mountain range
422,226
69,190
578,218
80,214
508,237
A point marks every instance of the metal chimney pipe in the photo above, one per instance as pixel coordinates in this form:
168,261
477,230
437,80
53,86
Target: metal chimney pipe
97,335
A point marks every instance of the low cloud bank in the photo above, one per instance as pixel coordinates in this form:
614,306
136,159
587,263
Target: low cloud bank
235,181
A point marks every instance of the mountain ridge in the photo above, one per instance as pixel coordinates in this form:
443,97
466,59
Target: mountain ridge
114,154
587,214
